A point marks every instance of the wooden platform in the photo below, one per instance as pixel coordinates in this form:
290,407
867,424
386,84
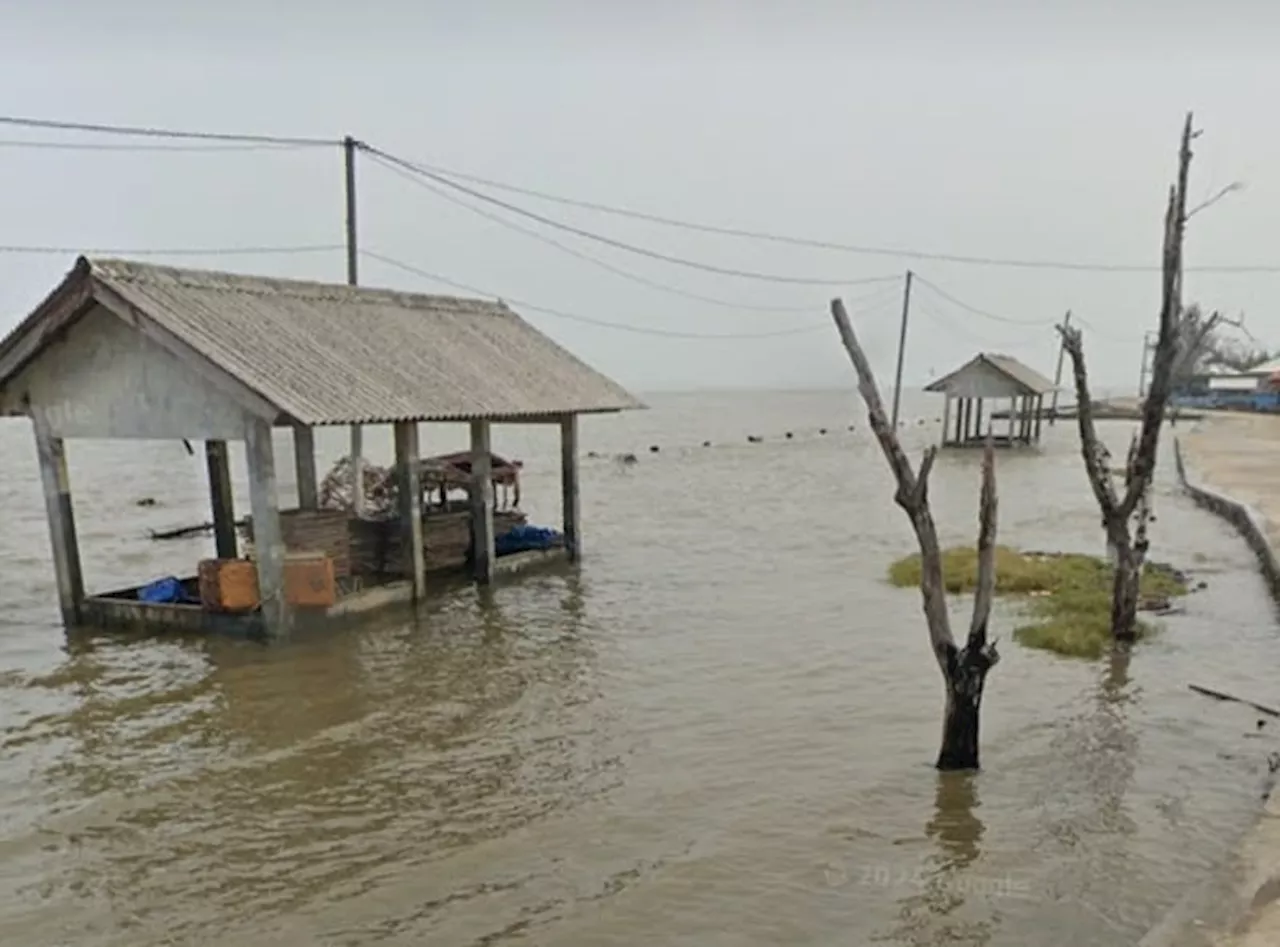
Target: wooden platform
122,610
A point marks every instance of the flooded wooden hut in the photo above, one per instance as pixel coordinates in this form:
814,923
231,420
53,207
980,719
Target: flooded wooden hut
125,350
991,381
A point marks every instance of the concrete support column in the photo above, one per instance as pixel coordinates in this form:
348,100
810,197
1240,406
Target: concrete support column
268,543
409,486
569,500
52,455
482,536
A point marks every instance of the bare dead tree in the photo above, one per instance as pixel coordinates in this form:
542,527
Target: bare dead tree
964,670
1129,545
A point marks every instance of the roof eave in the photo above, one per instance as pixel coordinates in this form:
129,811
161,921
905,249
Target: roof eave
68,301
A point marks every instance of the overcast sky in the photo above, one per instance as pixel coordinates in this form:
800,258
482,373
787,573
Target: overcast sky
997,132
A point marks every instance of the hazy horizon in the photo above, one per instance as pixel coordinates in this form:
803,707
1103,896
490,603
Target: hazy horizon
1000,132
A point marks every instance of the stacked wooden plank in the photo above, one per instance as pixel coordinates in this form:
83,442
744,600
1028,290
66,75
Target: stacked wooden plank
377,546
323,531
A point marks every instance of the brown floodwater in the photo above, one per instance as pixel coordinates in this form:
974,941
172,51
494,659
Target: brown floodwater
718,732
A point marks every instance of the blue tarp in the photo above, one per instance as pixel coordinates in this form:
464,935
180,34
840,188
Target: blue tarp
166,591
522,538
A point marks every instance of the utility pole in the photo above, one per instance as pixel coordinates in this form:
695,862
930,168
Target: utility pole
349,147
1057,375
902,349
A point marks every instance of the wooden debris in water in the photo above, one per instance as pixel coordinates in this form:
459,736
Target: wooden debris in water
1222,695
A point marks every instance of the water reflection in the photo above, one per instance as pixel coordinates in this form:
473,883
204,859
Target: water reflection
285,776
948,906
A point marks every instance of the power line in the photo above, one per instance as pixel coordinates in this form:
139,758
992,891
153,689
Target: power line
169,251
1007,320
595,261
960,328
622,245
211,148
625,327
444,176
979,312
866,250
152,132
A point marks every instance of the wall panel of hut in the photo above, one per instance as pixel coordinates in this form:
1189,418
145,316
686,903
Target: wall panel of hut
377,547
107,380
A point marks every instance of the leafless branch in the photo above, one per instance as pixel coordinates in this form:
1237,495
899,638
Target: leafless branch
1167,341
1091,448
1231,188
911,493
986,552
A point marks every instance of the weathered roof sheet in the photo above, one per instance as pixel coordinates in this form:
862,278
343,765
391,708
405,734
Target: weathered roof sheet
335,354
1024,376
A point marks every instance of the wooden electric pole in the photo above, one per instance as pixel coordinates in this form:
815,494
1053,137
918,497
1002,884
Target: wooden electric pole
1057,375
902,349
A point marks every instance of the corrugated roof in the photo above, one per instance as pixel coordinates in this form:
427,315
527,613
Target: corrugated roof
334,354
1023,375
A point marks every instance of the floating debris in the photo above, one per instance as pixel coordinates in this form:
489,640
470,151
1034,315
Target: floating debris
753,439
653,448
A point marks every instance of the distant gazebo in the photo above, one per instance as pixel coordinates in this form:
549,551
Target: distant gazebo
987,377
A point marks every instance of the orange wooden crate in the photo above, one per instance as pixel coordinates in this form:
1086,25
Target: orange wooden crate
229,585
309,580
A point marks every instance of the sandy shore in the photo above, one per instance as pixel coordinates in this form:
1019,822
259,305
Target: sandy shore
1239,455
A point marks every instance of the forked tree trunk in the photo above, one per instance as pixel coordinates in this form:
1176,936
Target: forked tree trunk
964,670
965,674
1119,512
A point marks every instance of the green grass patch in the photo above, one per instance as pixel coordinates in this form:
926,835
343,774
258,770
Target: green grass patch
1067,596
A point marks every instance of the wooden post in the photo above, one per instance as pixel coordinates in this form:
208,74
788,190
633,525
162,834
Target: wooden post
946,417
569,499
268,544
410,490
481,503
357,469
977,427
1039,415
964,420
62,523
1013,416
218,462
304,462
